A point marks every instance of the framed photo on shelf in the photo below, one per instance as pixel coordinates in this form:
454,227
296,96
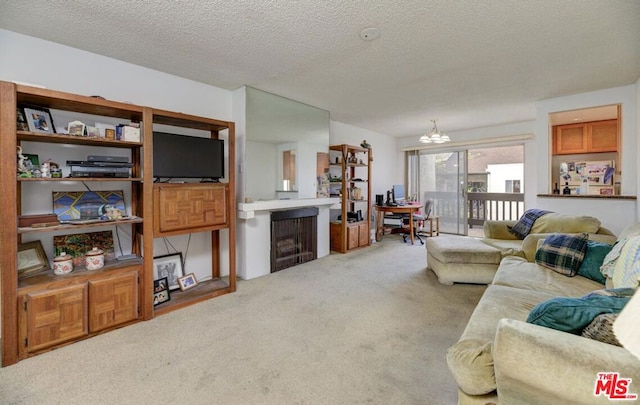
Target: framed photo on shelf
31,259
39,120
188,281
21,121
161,291
169,266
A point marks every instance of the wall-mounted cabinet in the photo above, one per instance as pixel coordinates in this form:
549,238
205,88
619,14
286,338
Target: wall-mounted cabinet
588,137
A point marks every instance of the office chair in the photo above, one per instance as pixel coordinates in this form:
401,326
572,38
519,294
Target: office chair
419,218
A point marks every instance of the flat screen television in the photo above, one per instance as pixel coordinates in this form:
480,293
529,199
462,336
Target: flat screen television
182,156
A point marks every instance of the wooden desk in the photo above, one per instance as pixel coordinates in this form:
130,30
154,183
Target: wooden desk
409,209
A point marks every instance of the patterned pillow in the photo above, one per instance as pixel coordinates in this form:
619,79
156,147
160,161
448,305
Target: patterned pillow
562,253
601,329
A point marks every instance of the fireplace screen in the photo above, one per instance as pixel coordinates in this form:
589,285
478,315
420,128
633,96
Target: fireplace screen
293,237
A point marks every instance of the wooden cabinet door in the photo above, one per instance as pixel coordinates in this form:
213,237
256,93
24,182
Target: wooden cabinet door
571,139
602,136
181,207
352,236
113,301
54,316
363,234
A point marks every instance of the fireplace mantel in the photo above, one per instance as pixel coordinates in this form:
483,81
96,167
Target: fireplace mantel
254,232
248,210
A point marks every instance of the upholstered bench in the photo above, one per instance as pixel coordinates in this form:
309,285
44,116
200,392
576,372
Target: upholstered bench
462,259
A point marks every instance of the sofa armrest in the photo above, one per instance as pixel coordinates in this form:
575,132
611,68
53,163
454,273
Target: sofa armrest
498,230
538,365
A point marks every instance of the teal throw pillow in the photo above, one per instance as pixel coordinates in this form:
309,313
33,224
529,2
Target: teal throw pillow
593,259
562,253
574,314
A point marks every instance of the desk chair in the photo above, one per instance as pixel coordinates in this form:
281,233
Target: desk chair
418,219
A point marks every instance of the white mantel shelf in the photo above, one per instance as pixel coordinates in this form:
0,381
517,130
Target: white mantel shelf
248,210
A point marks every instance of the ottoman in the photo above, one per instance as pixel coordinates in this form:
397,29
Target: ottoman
462,259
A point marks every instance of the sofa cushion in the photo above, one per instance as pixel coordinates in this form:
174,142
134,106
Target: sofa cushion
471,362
561,223
470,359
590,266
562,253
574,314
462,249
518,273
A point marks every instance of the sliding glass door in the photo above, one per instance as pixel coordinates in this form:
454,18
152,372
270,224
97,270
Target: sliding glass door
469,186
442,177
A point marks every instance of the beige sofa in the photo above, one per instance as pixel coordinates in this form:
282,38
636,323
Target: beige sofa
500,358
461,259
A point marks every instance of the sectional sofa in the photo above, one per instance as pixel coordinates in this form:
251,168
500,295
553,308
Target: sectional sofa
500,358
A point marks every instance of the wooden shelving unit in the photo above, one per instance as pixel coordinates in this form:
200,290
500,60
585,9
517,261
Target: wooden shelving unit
350,170
86,303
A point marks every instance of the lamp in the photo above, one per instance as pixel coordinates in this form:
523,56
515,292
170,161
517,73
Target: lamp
434,136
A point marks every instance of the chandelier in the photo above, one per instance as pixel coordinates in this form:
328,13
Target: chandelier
434,136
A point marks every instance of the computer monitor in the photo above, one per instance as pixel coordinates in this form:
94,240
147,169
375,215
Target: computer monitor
398,192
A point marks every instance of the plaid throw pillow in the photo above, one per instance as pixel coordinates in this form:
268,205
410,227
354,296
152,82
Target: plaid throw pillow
562,253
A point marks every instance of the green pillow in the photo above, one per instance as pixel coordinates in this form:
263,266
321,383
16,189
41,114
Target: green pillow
593,259
574,314
562,253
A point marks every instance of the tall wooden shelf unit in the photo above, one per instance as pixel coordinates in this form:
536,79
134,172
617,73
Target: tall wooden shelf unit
350,170
198,207
45,311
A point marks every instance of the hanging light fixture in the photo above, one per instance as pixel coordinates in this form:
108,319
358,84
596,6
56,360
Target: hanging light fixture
434,136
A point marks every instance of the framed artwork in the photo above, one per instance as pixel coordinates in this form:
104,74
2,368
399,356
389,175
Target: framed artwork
161,291
89,205
188,281
39,120
31,259
169,266
31,162
77,245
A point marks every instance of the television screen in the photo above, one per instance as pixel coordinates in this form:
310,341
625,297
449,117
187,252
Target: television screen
176,156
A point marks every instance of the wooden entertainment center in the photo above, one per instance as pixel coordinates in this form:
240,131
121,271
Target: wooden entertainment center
44,311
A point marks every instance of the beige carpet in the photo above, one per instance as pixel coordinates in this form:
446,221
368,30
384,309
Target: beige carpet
371,326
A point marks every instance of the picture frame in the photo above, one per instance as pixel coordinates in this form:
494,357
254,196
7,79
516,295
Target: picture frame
32,161
161,291
39,120
76,128
169,266
78,244
188,281
32,259
21,121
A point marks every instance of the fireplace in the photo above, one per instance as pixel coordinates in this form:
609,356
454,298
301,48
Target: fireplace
293,237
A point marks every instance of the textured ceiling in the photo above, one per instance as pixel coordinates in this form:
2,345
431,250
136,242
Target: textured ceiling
466,63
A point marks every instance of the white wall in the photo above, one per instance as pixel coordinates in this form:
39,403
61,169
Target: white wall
58,67
388,163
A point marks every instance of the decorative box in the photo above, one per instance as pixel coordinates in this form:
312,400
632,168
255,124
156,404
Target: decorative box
37,220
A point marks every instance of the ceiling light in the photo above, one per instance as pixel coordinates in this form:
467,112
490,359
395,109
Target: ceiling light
434,136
